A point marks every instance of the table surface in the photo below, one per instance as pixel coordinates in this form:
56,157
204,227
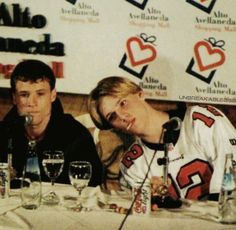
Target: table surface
196,215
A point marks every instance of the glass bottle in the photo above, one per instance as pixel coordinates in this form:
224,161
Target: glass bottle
31,190
4,180
227,197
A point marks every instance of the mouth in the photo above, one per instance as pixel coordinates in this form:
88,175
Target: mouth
32,113
130,124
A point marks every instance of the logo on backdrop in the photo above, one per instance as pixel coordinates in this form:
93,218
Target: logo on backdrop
204,5
72,1
141,51
208,56
138,3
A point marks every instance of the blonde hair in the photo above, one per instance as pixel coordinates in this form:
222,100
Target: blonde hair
111,86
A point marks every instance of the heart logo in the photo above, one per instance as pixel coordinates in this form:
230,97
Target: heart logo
139,3
204,5
214,53
140,53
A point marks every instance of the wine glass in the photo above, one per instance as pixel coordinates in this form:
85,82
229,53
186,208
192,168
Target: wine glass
52,162
80,173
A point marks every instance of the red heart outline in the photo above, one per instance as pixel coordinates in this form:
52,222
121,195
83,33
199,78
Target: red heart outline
142,47
211,51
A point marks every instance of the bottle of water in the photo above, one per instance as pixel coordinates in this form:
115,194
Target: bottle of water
31,190
227,198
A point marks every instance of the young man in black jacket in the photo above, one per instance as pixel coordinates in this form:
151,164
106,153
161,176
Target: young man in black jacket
34,95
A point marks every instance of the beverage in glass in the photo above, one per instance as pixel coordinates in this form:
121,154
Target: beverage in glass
53,162
80,173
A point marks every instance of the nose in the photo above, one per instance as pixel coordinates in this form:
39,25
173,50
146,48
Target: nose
122,115
31,100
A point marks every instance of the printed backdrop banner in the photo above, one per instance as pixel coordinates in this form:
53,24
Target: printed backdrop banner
176,50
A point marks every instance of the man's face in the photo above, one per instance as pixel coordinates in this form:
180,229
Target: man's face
127,114
34,98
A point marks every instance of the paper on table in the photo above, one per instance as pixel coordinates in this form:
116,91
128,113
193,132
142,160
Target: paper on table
12,221
9,204
206,210
8,217
96,199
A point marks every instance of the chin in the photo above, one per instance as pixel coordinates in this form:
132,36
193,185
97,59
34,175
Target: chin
132,132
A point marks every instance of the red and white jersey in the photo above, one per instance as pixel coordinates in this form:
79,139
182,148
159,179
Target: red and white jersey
196,162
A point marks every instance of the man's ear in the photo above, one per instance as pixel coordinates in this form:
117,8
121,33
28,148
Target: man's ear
53,95
141,95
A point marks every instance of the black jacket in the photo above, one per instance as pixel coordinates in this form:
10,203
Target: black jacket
63,133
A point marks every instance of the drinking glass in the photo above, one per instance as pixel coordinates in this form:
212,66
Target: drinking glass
80,173
52,162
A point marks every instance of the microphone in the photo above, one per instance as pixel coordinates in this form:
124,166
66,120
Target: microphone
173,124
22,119
25,119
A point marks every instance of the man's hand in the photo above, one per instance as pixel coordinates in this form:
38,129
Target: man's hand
158,189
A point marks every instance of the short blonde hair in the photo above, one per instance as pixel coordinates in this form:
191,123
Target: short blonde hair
110,86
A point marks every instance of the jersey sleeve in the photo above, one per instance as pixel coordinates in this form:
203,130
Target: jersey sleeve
214,136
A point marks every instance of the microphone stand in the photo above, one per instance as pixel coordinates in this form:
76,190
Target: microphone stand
168,145
166,201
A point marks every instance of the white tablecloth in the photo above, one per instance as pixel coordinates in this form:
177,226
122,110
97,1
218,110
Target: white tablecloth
200,215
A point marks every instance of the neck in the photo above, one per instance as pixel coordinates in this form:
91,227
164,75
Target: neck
34,135
154,130
36,131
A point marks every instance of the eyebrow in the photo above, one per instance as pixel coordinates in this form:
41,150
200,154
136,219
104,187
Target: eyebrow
27,91
21,92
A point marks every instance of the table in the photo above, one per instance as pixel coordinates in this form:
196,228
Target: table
199,215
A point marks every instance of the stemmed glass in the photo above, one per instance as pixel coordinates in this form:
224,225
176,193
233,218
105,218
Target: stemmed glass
80,173
52,162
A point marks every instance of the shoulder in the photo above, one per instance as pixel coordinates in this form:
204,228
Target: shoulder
70,119
206,109
204,114
206,121
68,124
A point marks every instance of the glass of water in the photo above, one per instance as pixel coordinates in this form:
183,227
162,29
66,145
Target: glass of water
80,173
53,162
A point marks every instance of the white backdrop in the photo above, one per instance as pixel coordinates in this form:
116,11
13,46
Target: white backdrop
176,50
